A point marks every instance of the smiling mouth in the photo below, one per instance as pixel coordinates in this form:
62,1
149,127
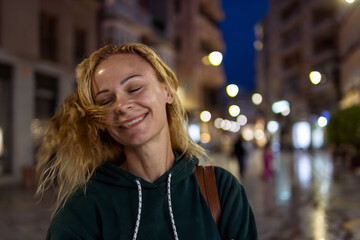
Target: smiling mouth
133,122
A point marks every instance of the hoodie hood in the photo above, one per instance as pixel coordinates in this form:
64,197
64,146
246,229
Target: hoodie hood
110,173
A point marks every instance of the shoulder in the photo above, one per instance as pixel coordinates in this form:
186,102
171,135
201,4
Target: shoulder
75,214
223,176
228,185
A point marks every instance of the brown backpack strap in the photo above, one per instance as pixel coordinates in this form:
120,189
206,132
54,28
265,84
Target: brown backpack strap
207,184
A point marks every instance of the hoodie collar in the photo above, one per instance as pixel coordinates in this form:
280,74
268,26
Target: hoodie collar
112,174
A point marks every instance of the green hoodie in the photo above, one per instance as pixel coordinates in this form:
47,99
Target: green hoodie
109,207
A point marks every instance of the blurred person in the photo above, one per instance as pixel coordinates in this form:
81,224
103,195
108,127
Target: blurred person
123,162
240,152
267,159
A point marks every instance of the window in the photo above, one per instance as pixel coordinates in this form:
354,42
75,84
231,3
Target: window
144,5
1,22
79,45
211,19
177,6
48,38
5,119
178,43
291,60
45,96
292,10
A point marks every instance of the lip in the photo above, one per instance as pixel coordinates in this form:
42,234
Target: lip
133,122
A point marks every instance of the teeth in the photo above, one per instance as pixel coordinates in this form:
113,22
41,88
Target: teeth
133,122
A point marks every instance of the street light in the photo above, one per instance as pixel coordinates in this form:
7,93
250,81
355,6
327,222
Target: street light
282,106
234,110
256,98
232,90
315,77
215,58
272,126
322,121
205,116
241,119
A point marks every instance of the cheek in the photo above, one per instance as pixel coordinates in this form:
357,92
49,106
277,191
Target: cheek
109,119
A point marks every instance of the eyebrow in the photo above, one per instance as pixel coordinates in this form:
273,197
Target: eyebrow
122,82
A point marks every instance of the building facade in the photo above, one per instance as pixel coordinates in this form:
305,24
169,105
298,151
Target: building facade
41,42
196,35
349,50
145,21
294,39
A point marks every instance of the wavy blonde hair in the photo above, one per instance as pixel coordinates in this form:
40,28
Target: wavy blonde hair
76,141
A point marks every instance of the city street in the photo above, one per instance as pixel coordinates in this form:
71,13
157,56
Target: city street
307,198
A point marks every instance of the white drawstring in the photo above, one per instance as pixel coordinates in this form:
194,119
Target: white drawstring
139,209
170,208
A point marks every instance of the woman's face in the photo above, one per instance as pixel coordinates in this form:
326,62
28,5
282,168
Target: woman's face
135,99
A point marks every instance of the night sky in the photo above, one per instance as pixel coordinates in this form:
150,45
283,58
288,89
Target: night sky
238,32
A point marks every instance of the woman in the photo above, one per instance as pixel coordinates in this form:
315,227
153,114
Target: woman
123,161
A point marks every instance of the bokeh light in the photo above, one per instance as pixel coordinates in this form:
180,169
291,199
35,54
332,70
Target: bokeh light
234,110
215,58
235,127
241,119
301,135
205,116
217,122
247,133
282,106
322,121
272,126
315,77
256,98
259,134
194,132
226,125
205,137
258,45
232,90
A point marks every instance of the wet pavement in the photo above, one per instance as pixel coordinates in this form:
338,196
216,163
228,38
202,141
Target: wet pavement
21,215
307,198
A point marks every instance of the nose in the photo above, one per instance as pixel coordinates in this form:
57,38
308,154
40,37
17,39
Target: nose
122,105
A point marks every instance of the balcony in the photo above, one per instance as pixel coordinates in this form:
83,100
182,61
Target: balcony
324,56
212,76
129,11
209,33
291,37
327,26
213,8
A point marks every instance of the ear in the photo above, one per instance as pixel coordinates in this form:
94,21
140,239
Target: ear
168,95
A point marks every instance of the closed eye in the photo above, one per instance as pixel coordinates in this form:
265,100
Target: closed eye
106,102
134,89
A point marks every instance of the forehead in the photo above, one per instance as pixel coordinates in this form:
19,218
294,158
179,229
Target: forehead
121,65
123,59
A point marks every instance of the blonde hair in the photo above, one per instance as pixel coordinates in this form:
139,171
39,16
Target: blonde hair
76,141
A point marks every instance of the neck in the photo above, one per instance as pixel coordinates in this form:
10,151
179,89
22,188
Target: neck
149,162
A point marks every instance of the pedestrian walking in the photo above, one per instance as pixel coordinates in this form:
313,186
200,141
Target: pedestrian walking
240,152
267,160
125,165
